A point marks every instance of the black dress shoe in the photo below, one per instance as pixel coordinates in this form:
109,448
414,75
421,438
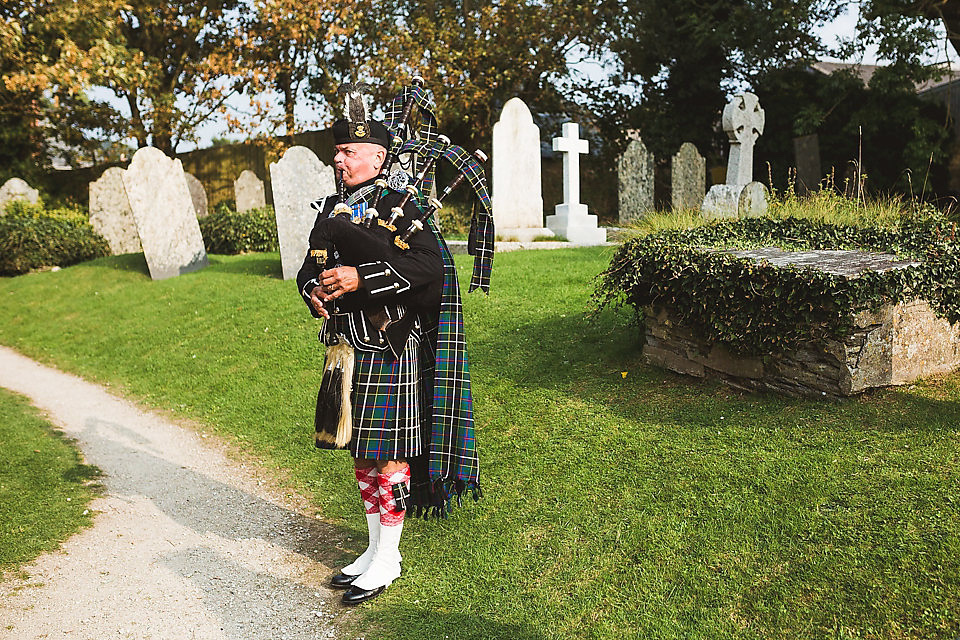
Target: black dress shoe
356,595
342,581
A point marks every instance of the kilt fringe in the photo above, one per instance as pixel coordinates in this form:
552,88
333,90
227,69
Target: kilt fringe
436,499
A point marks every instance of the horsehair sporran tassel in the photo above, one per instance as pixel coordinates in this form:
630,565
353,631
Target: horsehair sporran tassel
334,417
320,417
345,422
323,434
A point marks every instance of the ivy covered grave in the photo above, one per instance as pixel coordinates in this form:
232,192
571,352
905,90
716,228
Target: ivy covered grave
795,306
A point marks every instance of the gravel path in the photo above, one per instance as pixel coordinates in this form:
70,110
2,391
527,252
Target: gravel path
187,543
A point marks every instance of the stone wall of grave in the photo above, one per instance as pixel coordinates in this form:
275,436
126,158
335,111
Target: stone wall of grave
896,345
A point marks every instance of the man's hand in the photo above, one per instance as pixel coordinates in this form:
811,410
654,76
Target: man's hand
333,284
336,282
317,300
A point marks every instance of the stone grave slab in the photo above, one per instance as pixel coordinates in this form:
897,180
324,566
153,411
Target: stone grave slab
743,122
839,262
688,177
806,154
111,215
895,345
297,179
198,195
165,215
17,189
571,219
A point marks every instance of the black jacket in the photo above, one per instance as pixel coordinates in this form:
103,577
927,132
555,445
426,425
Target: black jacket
403,284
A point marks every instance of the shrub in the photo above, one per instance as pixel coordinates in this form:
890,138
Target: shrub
755,307
455,218
32,237
227,232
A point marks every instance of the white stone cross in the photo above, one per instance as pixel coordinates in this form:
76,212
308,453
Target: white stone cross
571,146
743,121
572,220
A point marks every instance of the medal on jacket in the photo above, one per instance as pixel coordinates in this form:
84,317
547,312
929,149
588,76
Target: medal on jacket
357,211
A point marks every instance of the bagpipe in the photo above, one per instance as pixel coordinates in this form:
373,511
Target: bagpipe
372,237
359,241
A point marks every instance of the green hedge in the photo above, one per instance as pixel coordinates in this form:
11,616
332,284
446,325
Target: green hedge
755,307
227,232
32,238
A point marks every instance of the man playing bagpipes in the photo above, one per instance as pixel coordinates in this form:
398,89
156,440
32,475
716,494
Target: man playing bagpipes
395,391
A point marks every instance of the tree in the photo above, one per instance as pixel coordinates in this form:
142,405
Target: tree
905,29
185,57
293,49
883,129
47,49
473,55
676,62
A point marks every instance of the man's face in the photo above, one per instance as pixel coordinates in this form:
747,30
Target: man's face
358,161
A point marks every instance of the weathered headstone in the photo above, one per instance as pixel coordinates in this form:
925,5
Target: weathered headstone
743,121
688,177
17,189
572,220
635,176
248,191
198,195
297,179
806,154
517,194
166,219
111,215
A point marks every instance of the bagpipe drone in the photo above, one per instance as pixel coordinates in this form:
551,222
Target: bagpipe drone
371,237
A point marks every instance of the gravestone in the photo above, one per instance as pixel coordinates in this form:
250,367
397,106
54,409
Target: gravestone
111,215
166,219
297,179
248,191
688,177
806,154
17,189
572,220
517,192
198,195
635,176
743,121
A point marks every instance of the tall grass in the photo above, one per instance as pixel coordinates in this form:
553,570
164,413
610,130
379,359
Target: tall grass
826,206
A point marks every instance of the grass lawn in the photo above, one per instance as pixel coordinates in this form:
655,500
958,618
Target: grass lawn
44,487
620,500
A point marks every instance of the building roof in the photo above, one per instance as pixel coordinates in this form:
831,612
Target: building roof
866,71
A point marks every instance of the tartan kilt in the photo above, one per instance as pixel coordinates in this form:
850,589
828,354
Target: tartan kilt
388,408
